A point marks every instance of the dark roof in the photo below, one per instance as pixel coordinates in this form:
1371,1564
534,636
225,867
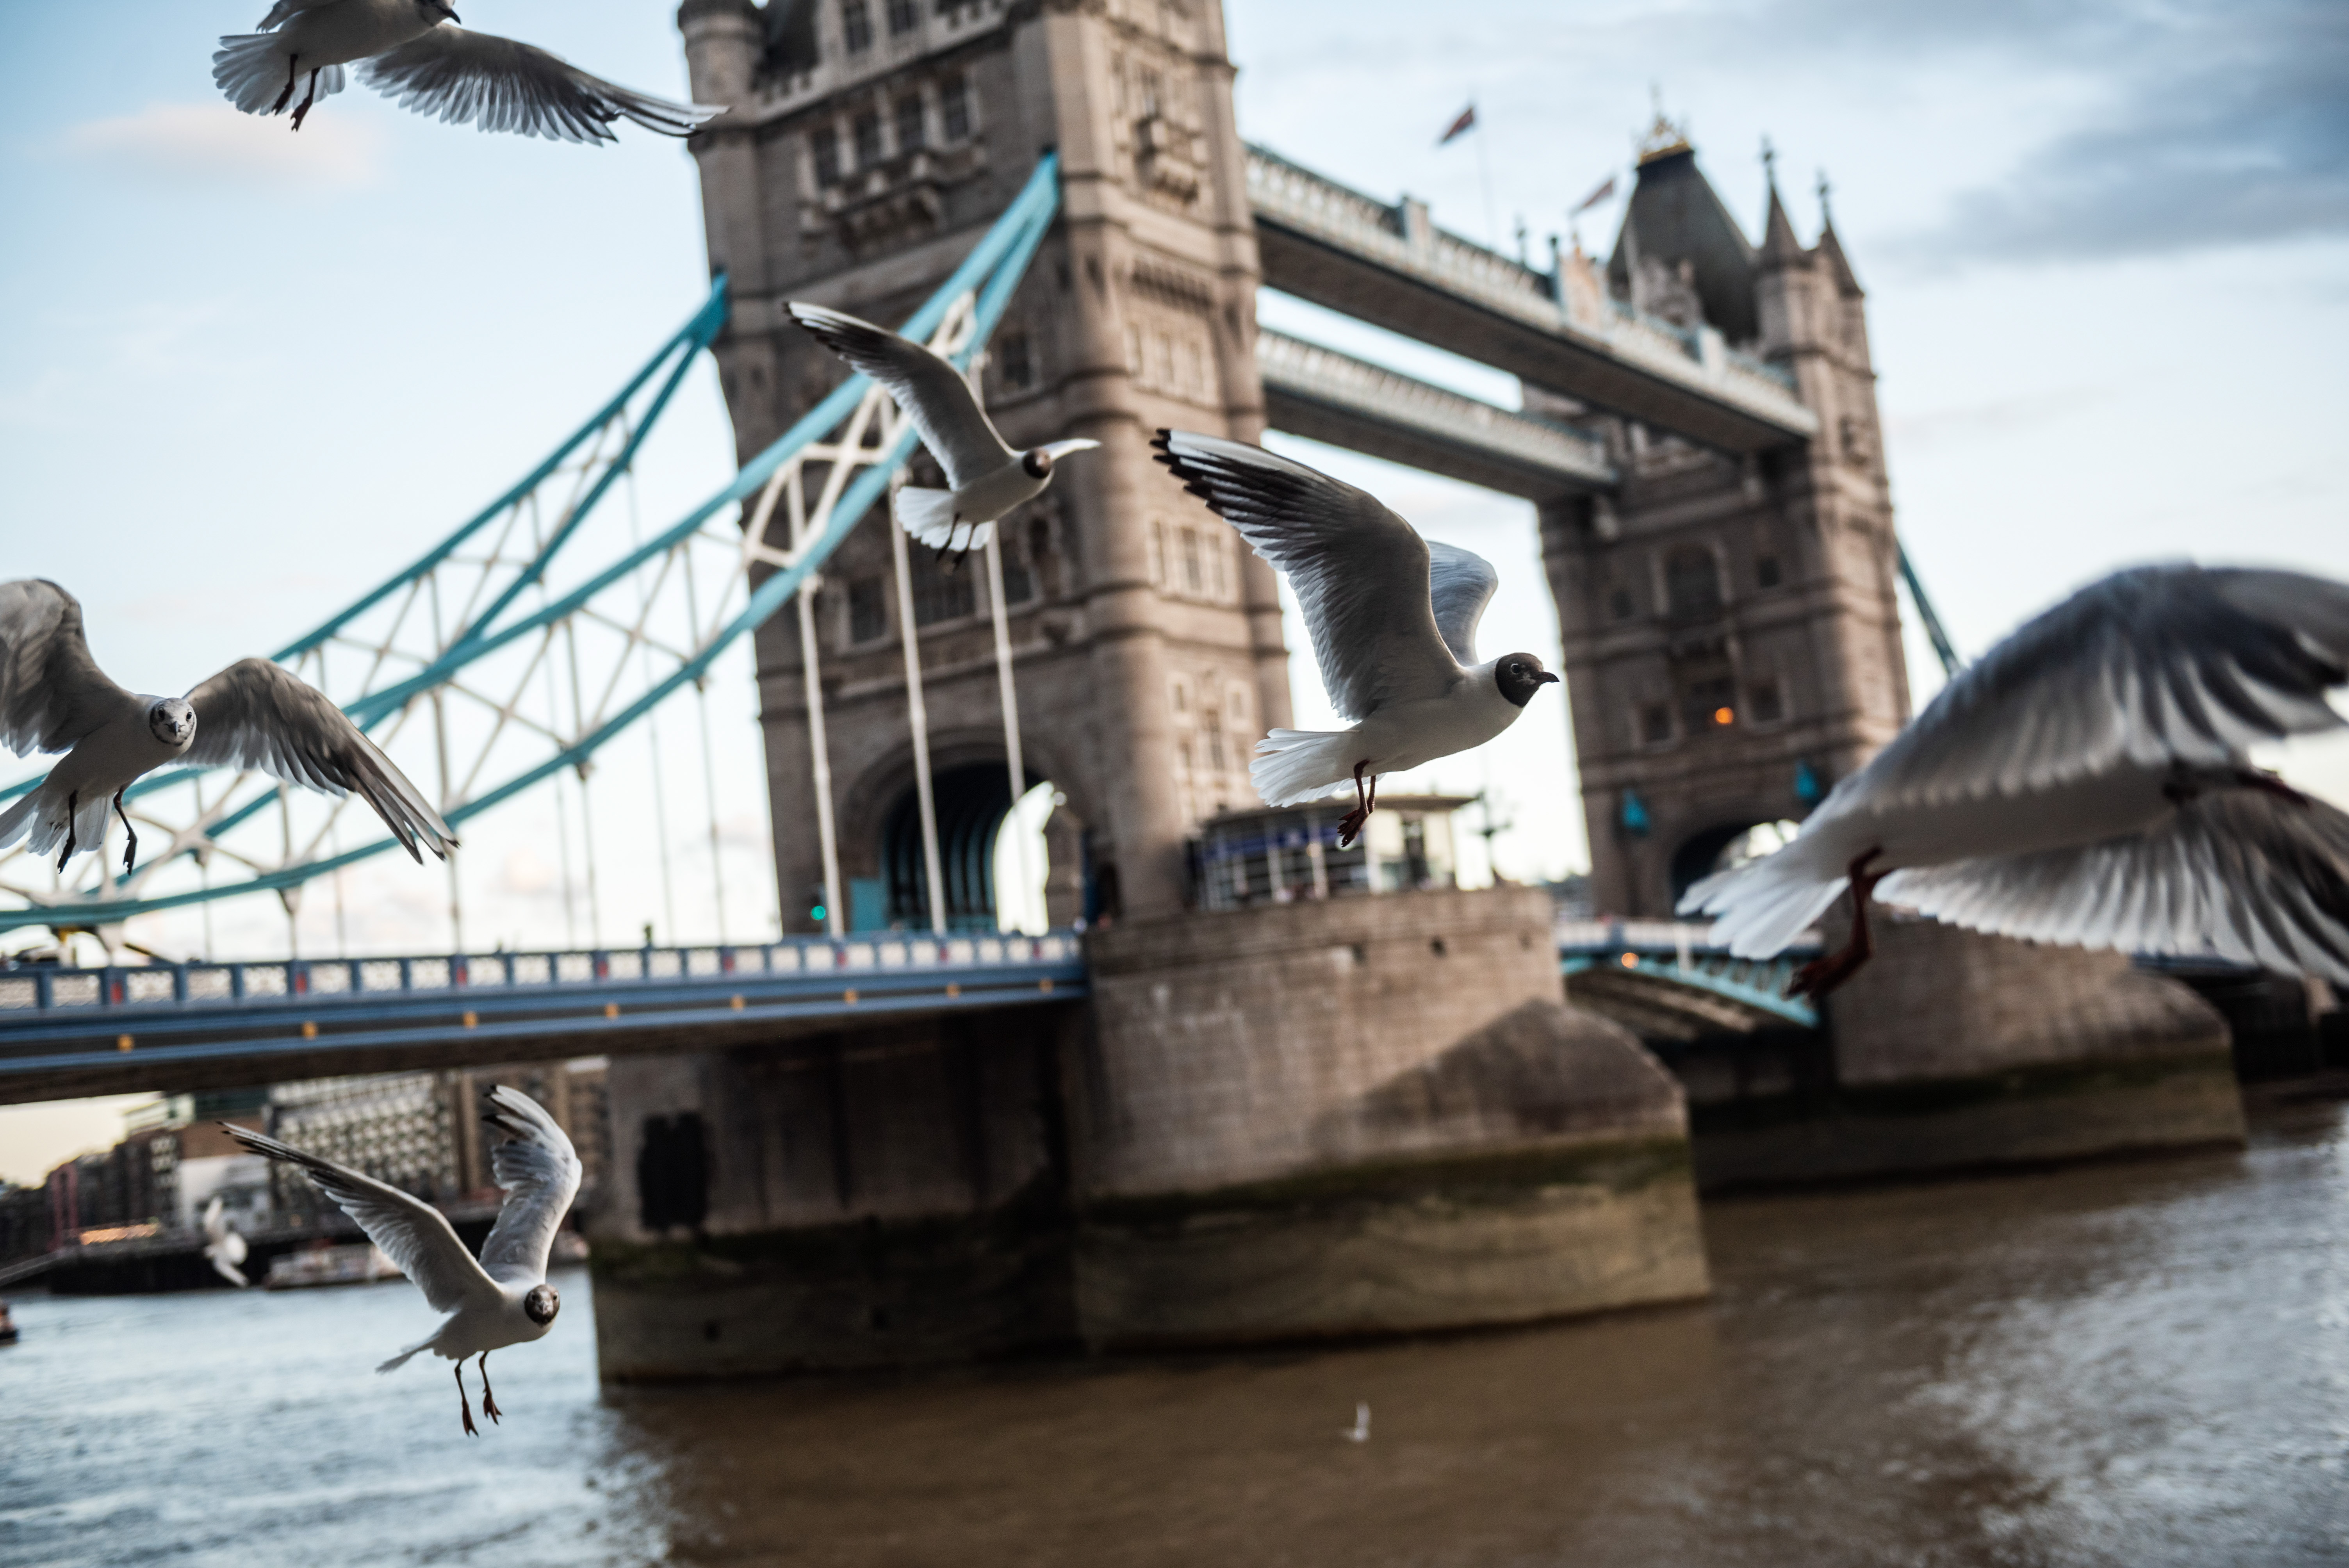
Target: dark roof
1676,216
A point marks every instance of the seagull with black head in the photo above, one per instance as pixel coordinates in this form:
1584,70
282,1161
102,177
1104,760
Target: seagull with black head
501,1298
1393,616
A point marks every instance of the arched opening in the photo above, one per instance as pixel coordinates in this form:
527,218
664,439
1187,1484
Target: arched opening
1722,848
976,856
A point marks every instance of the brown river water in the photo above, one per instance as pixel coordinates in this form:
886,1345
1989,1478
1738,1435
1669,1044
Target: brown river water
2137,1363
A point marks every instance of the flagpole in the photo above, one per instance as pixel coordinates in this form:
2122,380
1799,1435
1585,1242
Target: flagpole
1485,178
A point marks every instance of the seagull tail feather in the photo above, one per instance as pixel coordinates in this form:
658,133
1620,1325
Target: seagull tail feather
397,1361
248,69
1297,765
928,515
1762,906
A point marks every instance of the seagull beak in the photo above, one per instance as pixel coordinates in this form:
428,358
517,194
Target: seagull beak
1545,679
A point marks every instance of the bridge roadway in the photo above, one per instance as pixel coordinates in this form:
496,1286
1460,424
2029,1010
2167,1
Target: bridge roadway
177,1028
1389,266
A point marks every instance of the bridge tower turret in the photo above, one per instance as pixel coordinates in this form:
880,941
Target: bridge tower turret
868,144
1730,633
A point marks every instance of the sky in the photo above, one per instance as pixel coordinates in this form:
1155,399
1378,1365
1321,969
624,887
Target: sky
247,375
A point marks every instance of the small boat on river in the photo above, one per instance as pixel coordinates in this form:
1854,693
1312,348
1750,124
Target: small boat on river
360,1263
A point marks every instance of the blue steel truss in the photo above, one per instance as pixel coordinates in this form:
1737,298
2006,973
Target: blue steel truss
508,610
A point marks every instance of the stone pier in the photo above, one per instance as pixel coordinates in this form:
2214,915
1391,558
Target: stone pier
1366,1116
1363,1115
1953,1050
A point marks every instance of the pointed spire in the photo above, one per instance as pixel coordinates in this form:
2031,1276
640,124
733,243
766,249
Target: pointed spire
1779,246
1830,249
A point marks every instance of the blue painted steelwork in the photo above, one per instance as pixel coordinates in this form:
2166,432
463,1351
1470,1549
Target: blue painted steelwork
1682,954
1943,649
1699,976
130,1021
991,272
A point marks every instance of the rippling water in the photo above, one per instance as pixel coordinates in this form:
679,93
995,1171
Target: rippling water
2132,1364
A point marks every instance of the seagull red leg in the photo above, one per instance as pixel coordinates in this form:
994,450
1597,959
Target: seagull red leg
488,1400
1353,823
306,102
1821,975
73,809
464,1404
130,850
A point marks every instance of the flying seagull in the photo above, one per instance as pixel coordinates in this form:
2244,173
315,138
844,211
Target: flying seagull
503,1298
414,53
253,713
987,478
1393,620
224,1248
2088,783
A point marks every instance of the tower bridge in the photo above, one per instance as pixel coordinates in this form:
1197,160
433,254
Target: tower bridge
1254,1124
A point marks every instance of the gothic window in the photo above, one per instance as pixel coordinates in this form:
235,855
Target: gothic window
1018,577
1154,90
868,609
938,595
1193,579
1040,553
856,25
902,15
826,144
1655,724
1692,584
1765,572
1762,702
1619,604
954,107
1013,367
867,129
909,123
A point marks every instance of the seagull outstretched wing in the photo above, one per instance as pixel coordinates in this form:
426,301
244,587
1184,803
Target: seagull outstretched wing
2245,875
413,1234
52,693
1460,584
503,84
928,387
1360,574
255,714
540,1171
2148,666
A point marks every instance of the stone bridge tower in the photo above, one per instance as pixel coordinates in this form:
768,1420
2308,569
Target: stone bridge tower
868,144
1730,633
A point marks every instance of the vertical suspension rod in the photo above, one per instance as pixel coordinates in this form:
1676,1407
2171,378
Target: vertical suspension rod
915,713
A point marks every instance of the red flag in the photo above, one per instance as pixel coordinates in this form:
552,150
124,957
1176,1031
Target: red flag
1596,197
1460,127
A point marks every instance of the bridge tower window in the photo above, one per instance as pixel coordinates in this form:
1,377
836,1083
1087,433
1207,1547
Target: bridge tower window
1655,724
904,15
1691,582
867,129
909,123
868,609
1765,572
856,25
1762,700
1619,606
824,144
954,107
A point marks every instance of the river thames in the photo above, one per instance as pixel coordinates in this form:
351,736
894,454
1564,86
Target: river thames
2138,1363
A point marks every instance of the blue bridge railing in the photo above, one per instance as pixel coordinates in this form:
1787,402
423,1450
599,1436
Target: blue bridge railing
54,1020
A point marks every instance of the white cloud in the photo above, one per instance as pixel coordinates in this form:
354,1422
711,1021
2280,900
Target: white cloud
213,142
